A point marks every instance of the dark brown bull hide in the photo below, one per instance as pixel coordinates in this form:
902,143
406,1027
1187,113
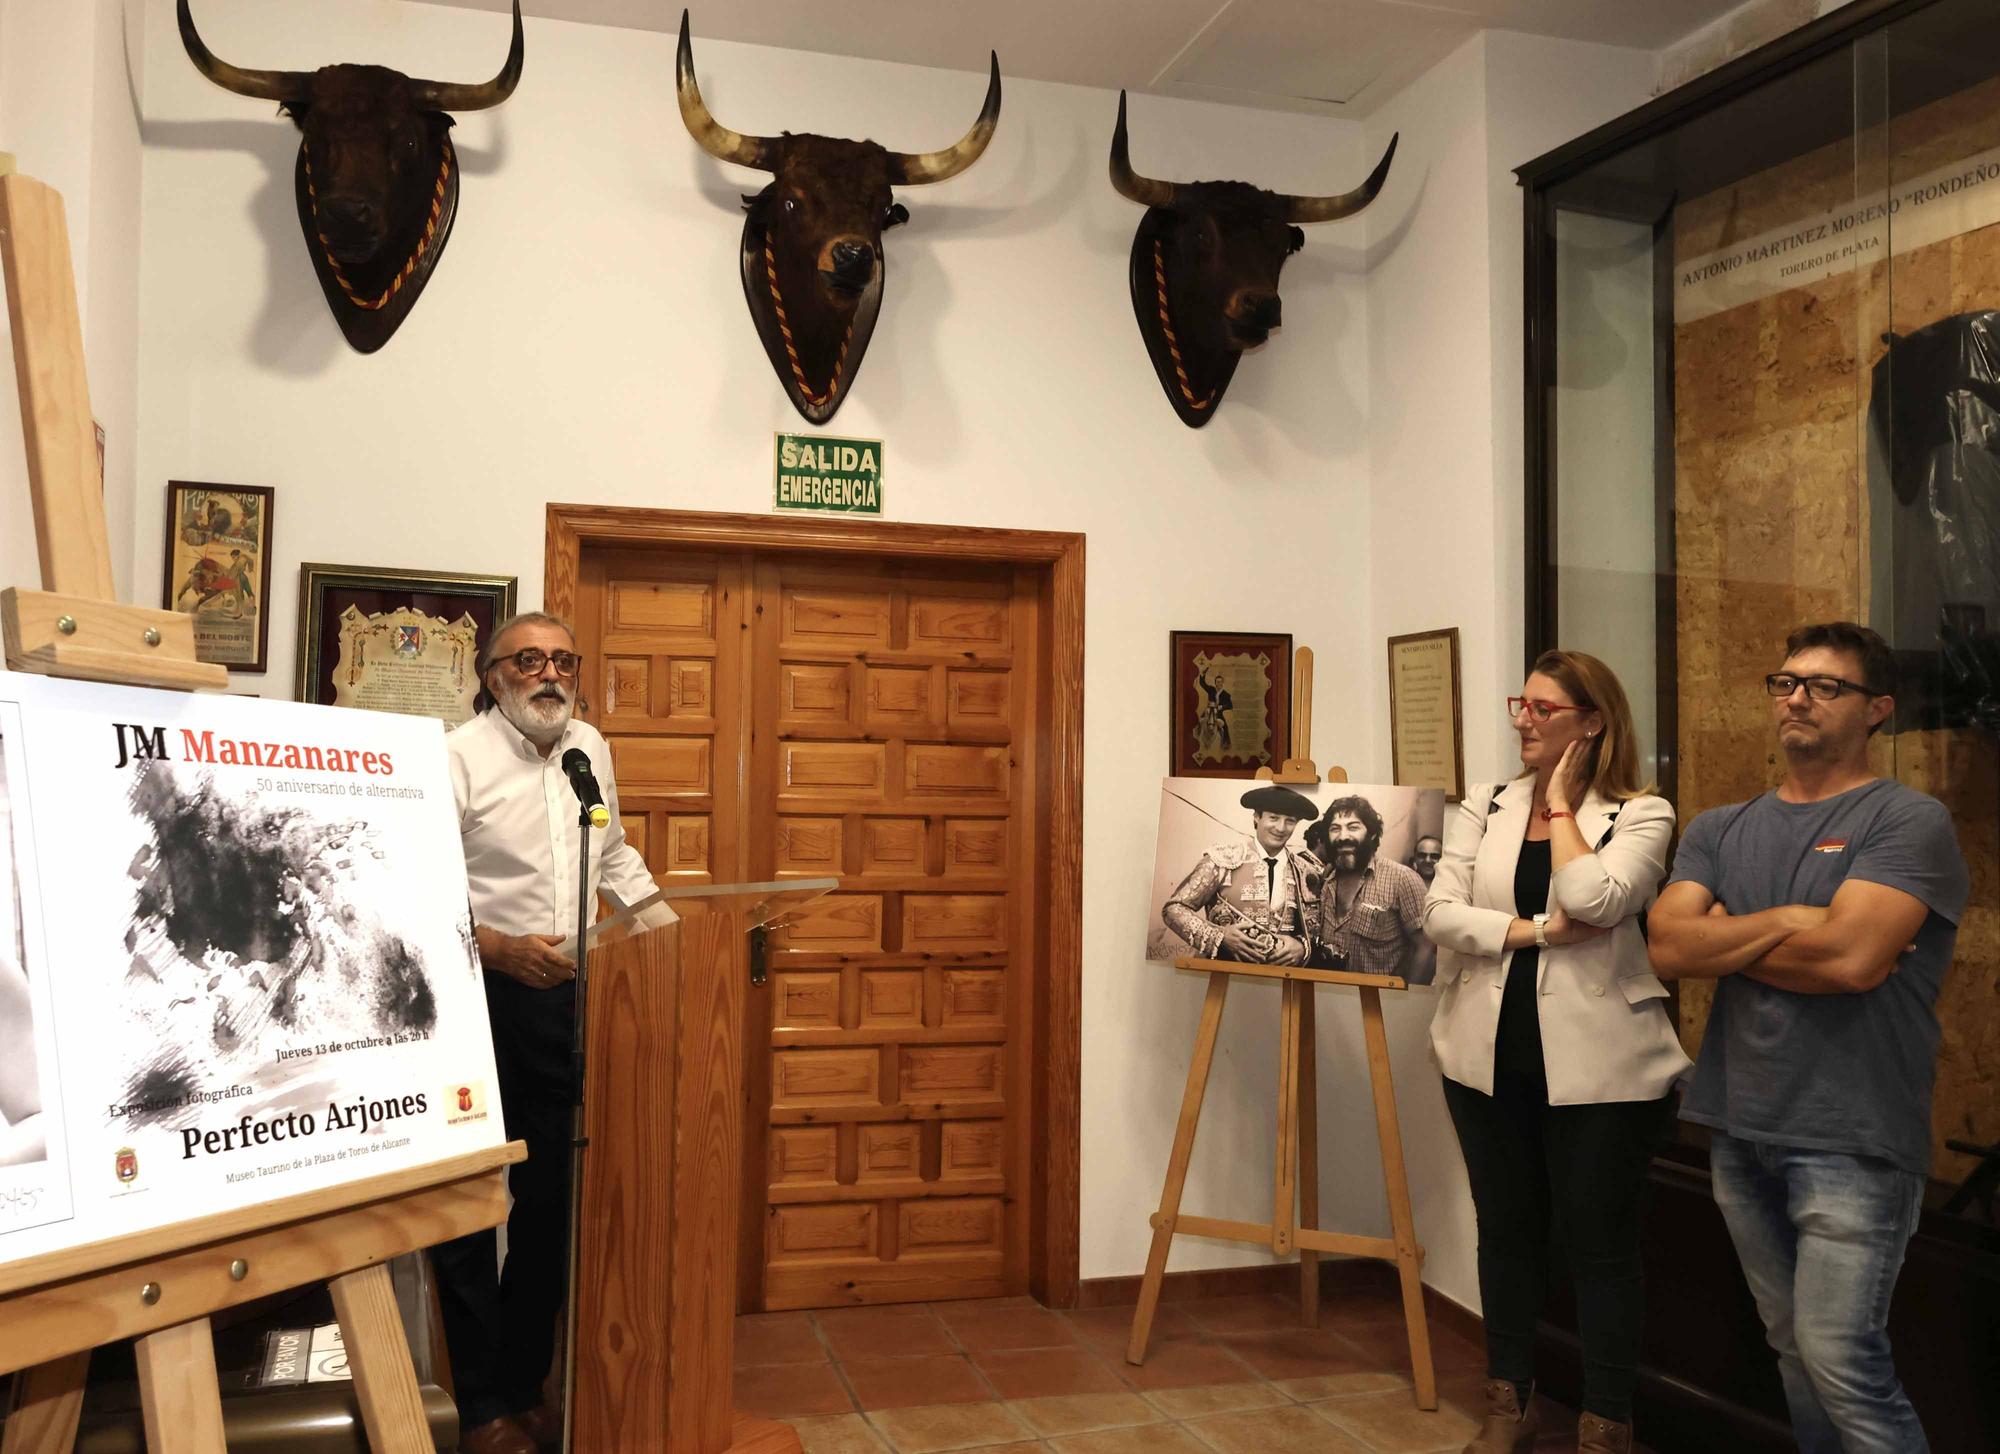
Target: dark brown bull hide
812,240
1205,265
377,179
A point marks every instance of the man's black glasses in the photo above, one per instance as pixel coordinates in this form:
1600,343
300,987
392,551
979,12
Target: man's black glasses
530,660
1820,689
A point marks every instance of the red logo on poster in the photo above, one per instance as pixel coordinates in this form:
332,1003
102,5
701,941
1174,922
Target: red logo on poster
465,1098
127,1165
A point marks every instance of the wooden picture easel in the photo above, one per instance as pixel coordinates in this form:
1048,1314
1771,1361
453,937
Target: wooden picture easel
161,1286
1295,1220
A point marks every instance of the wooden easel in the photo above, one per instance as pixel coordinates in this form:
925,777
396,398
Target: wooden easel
161,1286
1295,1219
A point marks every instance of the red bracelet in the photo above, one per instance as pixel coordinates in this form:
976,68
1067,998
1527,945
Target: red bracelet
1548,817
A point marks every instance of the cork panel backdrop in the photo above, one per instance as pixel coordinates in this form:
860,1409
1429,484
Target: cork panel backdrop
1771,528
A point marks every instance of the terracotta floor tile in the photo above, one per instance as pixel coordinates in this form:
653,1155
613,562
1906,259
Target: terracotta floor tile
1150,1439
1214,1398
1042,1372
901,1383
1391,1423
791,1390
1338,1385
1255,1314
979,1327
908,1331
1182,1365
1308,1353
1080,1413
777,1338
951,1426
1108,1330
1287,1430
837,1434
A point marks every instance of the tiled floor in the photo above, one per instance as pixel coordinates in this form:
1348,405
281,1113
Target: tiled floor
1223,1376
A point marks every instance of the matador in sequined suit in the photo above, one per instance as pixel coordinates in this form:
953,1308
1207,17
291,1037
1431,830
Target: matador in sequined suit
1250,901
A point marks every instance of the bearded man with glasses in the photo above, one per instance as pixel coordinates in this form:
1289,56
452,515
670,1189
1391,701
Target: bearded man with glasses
518,823
1826,911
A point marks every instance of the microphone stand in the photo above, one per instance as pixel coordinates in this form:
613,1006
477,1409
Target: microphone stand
578,1141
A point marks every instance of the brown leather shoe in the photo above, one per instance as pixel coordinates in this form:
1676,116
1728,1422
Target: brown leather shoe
544,1426
1507,1429
1600,1436
497,1436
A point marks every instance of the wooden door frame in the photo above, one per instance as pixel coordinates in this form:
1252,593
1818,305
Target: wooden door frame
1055,1108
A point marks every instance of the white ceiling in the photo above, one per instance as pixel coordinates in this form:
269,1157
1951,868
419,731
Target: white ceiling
1342,56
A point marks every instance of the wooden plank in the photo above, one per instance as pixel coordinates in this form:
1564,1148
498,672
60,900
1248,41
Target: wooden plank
48,1403
1177,1165
56,423
630,1183
385,1383
178,1393
1409,1256
1308,1120
1292,972
136,1247
87,1310
708,1122
1285,1191
107,642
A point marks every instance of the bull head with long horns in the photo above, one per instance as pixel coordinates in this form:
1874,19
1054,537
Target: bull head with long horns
377,179
1205,265
812,240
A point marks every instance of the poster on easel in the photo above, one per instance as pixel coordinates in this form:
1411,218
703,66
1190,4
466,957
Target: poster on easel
244,934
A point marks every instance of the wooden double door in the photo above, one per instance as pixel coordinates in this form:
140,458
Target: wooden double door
799,716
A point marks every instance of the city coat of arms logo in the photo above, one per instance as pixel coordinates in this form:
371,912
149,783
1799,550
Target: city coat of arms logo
126,1165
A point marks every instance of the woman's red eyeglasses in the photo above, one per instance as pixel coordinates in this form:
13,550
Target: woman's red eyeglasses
1540,710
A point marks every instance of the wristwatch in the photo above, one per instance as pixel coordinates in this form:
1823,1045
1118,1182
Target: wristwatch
1541,923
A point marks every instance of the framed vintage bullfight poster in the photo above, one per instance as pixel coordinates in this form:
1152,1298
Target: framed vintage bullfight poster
218,569
236,958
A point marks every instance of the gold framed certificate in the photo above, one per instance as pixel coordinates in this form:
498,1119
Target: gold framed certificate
396,640
1426,729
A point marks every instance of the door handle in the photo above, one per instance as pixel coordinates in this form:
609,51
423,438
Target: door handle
760,964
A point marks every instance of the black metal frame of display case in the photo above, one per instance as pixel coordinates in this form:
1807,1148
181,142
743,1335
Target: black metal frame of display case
1708,1380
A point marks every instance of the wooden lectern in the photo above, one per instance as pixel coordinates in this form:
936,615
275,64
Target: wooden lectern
663,1114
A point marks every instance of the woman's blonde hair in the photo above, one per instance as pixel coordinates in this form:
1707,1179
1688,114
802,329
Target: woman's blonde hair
1611,763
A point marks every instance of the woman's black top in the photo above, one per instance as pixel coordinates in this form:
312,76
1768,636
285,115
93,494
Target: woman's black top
1518,1046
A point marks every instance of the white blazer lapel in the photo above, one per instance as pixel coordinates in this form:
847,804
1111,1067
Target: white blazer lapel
1500,852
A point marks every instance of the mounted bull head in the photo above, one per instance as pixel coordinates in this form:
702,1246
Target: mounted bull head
377,179
1205,265
812,240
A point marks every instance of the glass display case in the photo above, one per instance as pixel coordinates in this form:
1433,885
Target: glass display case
1764,390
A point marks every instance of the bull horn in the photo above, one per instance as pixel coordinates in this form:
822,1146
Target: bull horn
1146,191
264,85
908,169
1330,209
453,96
715,138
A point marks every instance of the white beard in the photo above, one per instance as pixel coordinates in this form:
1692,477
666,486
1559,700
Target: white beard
541,720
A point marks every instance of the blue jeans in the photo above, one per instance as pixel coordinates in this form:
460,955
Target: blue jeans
1821,1236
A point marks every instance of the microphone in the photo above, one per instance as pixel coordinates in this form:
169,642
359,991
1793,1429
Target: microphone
576,766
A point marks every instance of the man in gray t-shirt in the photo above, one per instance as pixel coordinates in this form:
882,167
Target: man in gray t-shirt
1826,912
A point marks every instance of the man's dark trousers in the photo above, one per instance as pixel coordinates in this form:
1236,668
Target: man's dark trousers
501,1328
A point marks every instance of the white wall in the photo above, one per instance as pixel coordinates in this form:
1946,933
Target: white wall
584,340
1445,447
68,114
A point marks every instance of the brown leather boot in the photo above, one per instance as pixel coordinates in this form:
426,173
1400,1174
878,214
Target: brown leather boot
1600,1436
1507,1429
544,1426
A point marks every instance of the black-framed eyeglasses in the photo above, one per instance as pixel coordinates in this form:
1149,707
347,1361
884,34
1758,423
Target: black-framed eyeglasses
1538,709
530,660
1820,689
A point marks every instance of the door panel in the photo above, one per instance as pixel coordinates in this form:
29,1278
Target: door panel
786,716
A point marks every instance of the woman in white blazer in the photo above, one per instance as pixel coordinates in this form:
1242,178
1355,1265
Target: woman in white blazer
1553,1035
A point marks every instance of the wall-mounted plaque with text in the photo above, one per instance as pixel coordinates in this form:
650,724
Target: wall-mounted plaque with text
1425,730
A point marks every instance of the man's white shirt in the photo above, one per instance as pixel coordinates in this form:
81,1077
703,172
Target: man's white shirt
517,817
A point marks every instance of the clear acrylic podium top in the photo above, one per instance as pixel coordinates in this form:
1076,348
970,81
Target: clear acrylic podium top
759,903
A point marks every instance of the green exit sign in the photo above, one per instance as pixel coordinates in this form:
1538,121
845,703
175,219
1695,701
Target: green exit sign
843,476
